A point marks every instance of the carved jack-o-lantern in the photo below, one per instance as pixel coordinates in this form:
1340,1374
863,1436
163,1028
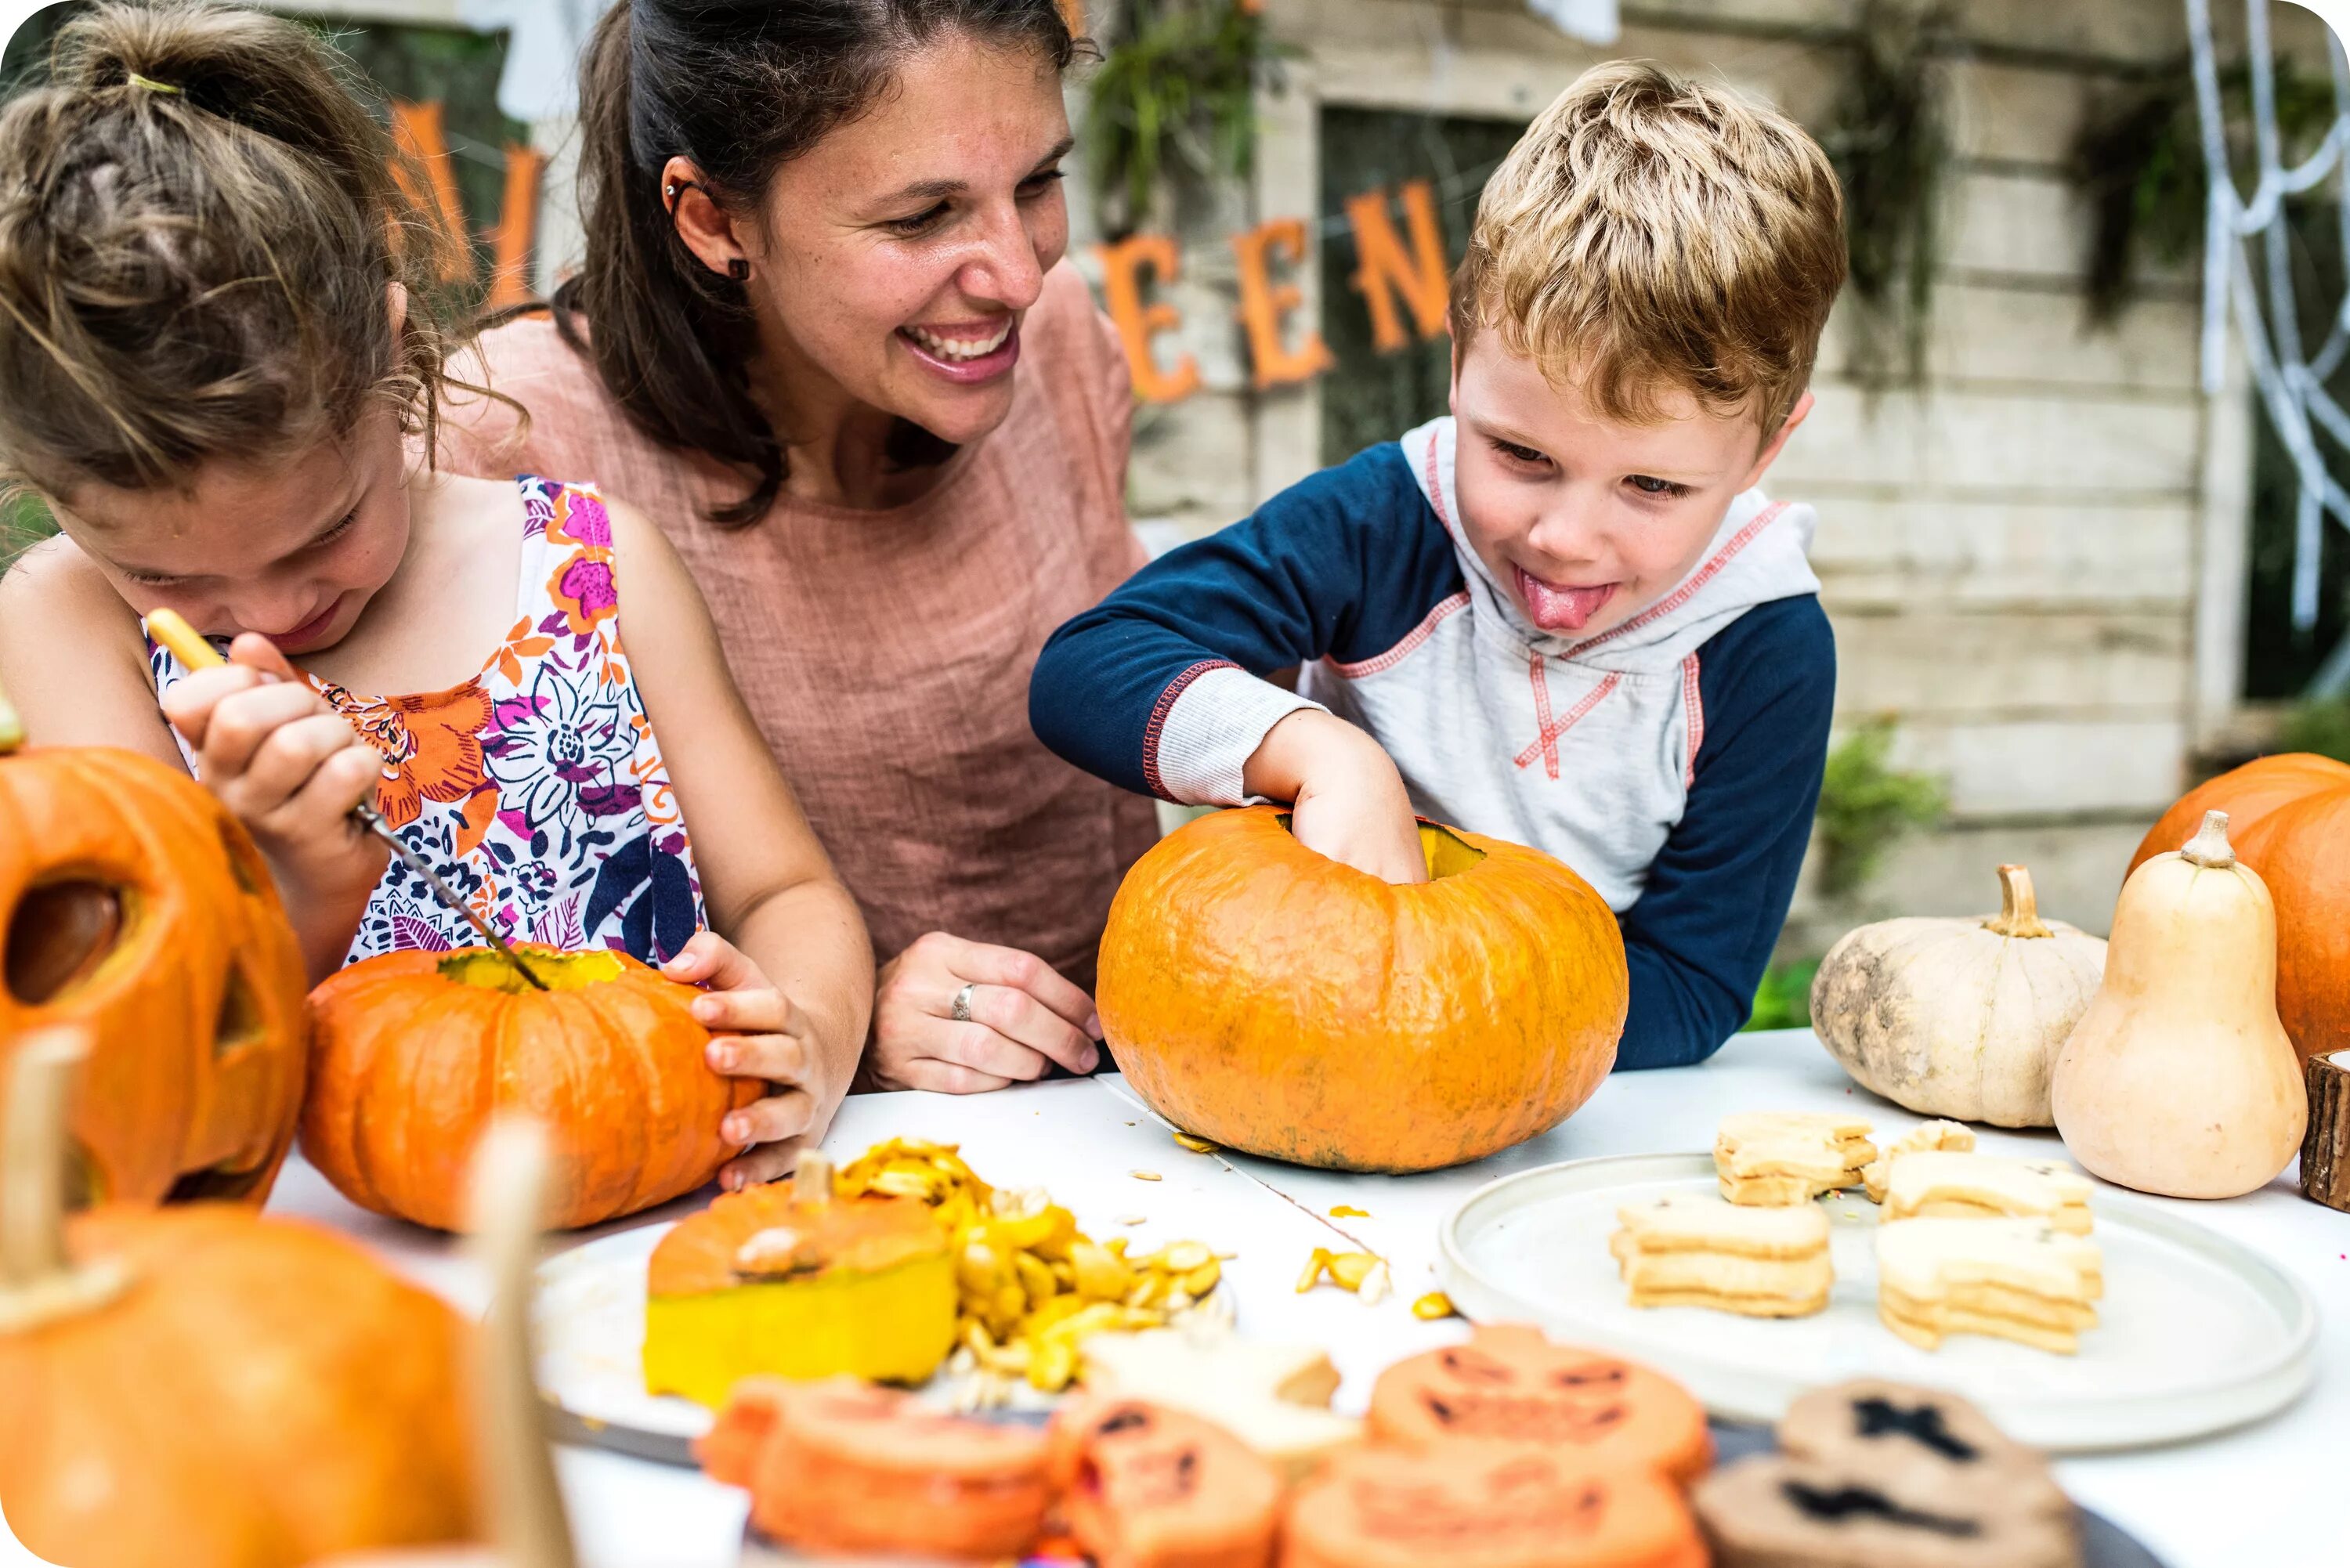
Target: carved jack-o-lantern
1143,1485
1511,1386
137,909
1486,1505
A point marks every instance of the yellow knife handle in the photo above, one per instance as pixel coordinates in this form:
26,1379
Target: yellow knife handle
187,645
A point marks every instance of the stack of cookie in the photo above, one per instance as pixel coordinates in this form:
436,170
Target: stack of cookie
1925,1137
1986,1187
1876,1475
1690,1250
2022,1279
1776,1158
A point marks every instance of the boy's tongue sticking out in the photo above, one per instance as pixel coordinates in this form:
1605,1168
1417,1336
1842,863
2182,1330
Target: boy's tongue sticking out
1560,607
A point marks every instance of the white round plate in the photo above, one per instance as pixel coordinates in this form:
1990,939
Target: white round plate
2195,1333
591,1315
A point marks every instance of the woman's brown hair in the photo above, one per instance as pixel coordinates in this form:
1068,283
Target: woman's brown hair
739,88
200,235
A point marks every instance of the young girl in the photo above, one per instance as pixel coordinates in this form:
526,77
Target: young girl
213,367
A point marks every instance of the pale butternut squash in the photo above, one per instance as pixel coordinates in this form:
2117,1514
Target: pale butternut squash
2180,1079
1959,1018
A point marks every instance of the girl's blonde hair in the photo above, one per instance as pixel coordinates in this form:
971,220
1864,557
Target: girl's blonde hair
200,236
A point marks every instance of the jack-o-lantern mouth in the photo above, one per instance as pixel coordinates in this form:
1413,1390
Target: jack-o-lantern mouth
1521,1503
1523,1417
561,970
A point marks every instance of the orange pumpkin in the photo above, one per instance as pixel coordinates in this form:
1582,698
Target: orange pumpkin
201,1387
2289,819
414,1052
138,911
1270,999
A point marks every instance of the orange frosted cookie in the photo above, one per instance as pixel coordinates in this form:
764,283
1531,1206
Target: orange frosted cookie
1508,1385
1143,1487
844,1466
1482,1505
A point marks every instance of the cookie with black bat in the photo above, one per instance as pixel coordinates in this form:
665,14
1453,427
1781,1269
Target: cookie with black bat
1915,1443
1773,1511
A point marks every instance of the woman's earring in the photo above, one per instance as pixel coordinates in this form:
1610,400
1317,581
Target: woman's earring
739,270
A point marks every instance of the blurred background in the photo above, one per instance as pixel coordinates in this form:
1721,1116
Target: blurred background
2070,571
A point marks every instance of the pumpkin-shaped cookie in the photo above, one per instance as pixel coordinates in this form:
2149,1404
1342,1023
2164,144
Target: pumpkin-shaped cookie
1510,1386
1143,1487
846,1467
1486,1505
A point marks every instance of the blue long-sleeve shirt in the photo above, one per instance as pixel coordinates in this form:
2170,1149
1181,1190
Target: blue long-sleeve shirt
1675,761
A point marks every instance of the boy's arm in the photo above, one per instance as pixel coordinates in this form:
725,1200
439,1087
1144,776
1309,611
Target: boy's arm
1700,934
1158,688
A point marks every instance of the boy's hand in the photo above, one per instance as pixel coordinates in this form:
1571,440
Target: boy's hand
1351,804
284,763
755,1033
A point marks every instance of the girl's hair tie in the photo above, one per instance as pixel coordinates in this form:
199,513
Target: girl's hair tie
135,79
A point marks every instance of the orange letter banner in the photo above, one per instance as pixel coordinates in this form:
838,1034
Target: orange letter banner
420,150
1263,303
1122,265
517,230
1385,270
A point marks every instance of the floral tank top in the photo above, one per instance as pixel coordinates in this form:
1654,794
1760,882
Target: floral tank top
536,789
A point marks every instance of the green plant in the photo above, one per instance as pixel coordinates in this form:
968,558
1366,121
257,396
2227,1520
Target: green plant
2320,725
1888,137
1867,805
1784,1000
2137,163
1176,93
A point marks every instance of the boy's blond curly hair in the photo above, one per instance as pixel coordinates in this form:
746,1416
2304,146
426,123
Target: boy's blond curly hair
1648,234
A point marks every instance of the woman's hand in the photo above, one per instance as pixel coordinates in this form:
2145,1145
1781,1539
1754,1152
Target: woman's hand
755,1033
290,768
1020,1019
1351,804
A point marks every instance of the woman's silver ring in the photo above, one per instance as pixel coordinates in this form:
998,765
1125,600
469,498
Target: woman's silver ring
961,1012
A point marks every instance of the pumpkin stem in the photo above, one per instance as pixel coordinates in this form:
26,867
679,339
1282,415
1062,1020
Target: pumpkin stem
812,1182
39,1283
12,728
2209,847
2019,906
508,1210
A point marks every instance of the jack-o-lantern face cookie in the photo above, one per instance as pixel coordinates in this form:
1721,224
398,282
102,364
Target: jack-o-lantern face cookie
1777,1512
1510,1384
1486,1505
844,1466
1143,1487
1915,1443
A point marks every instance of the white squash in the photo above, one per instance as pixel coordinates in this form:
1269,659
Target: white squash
2180,1079
1959,1018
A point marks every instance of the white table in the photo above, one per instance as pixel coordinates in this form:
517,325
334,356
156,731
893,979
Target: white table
2266,1495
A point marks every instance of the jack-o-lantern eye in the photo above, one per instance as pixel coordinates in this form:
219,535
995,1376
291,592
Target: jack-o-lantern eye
1470,1367
59,935
1608,1374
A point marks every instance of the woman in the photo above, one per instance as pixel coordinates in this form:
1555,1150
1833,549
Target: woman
824,334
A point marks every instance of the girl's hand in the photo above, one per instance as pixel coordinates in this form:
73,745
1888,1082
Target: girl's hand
1021,1018
755,1033
284,763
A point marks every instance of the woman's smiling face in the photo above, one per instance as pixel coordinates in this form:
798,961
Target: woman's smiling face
901,251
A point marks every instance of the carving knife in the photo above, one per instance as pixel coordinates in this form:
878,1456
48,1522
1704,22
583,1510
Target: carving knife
170,628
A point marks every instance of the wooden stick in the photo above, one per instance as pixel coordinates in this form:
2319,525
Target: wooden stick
38,1282
2325,1148
508,1206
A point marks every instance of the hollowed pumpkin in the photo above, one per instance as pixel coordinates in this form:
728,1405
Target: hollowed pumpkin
137,910
199,1387
2289,817
414,1052
1261,995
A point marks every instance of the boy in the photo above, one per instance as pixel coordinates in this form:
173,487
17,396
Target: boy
1563,616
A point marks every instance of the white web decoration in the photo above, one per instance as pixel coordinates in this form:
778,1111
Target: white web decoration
2292,384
